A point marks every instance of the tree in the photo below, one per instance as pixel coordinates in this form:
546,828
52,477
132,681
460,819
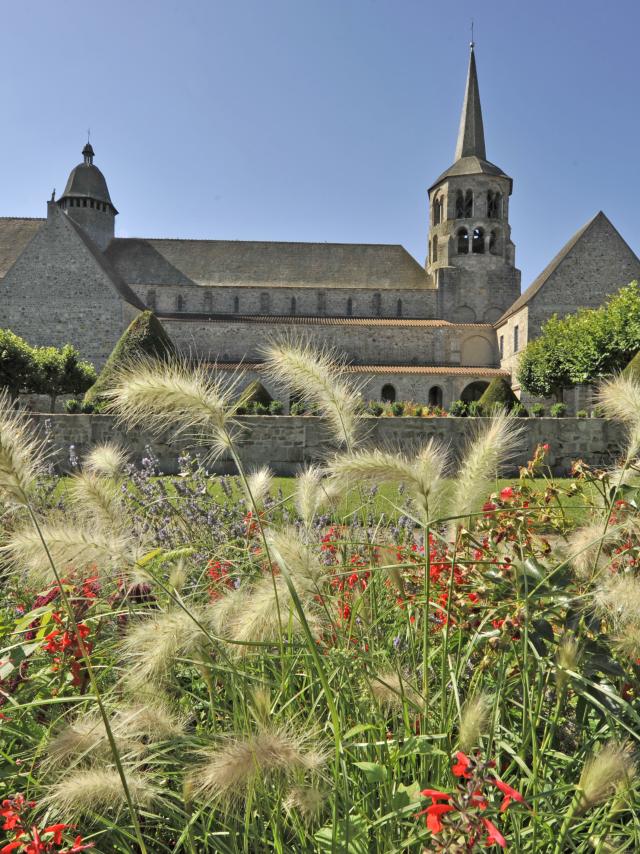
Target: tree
498,393
17,363
62,372
145,336
582,347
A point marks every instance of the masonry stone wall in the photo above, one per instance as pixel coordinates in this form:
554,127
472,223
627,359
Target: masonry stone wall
289,443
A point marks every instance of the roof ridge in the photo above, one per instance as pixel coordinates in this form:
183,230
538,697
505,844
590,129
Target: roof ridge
321,320
280,242
29,218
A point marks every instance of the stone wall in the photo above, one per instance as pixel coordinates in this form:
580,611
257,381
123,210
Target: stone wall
287,443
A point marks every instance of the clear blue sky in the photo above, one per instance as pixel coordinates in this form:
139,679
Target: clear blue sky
321,119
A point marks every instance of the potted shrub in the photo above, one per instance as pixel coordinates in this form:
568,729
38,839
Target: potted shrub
537,410
458,409
474,409
397,408
499,394
73,406
375,408
276,407
581,413
558,410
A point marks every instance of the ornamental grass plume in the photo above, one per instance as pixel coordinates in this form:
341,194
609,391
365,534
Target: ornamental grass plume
603,774
153,646
105,460
567,659
484,454
310,494
233,768
69,545
617,599
474,720
303,563
21,454
258,486
97,498
586,548
390,690
97,790
319,378
175,395
423,474
308,801
620,399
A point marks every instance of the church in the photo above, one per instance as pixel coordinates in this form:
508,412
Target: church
432,333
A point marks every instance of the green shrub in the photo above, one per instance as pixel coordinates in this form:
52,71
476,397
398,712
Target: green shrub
437,411
276,407
458,409
632,370
474,409
397,408
582,413
498,393
297,408
260,408
598,411
538,410
519,410
145,336
558,410
375,408
72,406
87,408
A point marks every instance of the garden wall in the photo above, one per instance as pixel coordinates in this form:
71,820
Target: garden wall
286,443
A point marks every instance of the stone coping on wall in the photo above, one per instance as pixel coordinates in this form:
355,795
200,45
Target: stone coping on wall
287,443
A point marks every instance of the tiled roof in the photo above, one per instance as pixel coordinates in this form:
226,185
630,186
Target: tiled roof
268,264
441,370
15,233
303,320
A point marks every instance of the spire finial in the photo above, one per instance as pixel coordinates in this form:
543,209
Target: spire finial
472,43
471,132
88,152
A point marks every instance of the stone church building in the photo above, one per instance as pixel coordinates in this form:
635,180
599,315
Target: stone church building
431,333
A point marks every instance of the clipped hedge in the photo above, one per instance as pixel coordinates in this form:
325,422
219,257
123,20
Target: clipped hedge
499,393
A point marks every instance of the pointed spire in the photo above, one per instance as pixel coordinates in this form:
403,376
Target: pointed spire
471,133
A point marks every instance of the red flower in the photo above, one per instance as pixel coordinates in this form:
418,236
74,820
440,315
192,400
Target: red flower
509,793
6,849
77,846
507,493
434,813
56,829
461,768
435,795
494,837
473,597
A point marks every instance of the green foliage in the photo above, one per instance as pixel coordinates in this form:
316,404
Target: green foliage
498,394
276,407
375,408
558,410
474,409
61,372
397,408
583,347
538,410
297,408
73,406
458,409
145,336
582,413
519,410
17,363
633,368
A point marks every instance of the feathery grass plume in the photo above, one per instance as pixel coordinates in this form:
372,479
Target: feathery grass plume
474,720
305,568
620,399
151,648
309,494
320,379
306,800
85,738
586,548
423,474
628,641
617,598
230,770
483,456
105,460
177,396
97,790
21,453
567,658
389,689
259,484
72,545
147,722
613,767
97,498
258,613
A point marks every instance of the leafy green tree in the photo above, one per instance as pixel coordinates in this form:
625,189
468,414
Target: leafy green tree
17,363
61,371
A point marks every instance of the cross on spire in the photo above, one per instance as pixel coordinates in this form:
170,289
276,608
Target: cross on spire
471,132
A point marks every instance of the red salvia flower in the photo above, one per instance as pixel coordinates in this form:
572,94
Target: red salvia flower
494,837
462,766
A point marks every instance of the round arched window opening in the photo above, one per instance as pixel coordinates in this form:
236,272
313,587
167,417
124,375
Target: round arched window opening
477,243
388,393
435,396
463,241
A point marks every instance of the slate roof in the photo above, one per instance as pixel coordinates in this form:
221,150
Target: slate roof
471,132
385,369
306,320
539,282
268,264
15,233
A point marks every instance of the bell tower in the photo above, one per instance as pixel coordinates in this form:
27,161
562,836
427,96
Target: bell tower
470,255
87,201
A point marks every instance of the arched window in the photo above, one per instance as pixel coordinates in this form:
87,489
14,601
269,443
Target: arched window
494,246
208,303
322,302
399,308
468,203
437,211
477,243
463,241
377,305
459,204
388,393
435,396
349,307
236,304
434,250
264,302
292,309
179,303
494,204
516,338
